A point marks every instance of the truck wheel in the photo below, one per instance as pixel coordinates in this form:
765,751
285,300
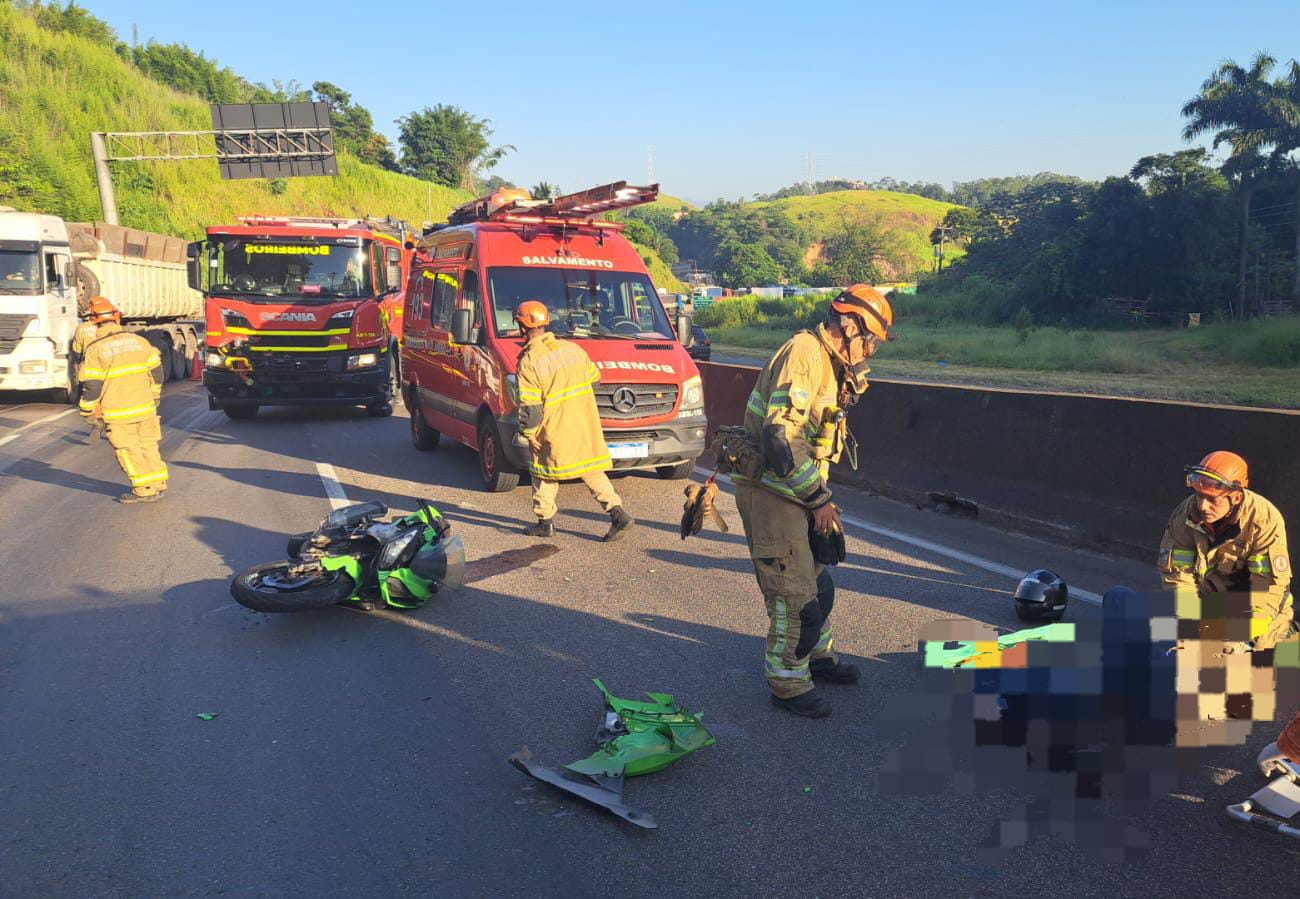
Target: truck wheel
180,357
679,472
394,377
70,395
423,437
380,410
498,474
240,413
87,286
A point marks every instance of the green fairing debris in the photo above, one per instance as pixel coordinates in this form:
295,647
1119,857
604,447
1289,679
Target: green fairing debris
635,737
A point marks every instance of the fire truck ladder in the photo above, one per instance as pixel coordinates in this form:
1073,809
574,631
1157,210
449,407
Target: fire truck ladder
582,205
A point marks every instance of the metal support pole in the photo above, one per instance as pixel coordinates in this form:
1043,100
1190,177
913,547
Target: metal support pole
103,177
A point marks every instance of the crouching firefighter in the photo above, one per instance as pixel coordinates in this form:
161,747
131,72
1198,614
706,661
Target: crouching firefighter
121,386
794,430
1225,538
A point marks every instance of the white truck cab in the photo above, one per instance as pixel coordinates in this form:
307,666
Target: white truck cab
38,303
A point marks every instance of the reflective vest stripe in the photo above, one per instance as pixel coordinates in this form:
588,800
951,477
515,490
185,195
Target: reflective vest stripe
1182,558
112,414
569,471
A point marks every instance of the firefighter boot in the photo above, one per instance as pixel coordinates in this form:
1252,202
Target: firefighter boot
806,705
833,672
132,498
543,528
622,521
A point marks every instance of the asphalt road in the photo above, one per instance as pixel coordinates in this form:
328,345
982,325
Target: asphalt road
365,754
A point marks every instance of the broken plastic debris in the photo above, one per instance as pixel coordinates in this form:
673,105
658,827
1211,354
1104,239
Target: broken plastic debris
635,737
206,716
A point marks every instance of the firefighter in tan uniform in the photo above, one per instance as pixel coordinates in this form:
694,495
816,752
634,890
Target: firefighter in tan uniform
792,418
121,384
559,420
1227,539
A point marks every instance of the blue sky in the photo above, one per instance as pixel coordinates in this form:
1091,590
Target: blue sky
733,97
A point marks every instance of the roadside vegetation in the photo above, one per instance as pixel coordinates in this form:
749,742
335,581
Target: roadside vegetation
64,73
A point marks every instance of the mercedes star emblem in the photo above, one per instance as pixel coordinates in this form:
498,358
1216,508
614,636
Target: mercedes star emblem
624,399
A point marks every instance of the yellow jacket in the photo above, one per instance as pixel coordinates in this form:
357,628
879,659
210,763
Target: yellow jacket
557,409
121,377
86,332
1250,553
784,417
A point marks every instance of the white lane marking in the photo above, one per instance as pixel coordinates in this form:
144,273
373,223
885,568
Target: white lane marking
32,424
937,548
333,489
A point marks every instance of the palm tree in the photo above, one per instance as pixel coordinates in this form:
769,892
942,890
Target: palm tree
1287,113
544,190
1241,107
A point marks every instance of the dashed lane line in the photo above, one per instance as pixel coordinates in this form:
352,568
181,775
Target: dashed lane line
34,424
937,548
333,489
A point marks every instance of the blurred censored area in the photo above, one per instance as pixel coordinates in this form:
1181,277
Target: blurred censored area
1086,720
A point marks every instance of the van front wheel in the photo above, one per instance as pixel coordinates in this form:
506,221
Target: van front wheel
498,474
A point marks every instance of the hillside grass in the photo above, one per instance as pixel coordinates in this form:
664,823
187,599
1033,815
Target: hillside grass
914,216
670,202
56,88
1253,364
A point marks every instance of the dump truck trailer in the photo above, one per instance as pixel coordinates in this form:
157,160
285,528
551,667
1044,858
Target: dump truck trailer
49,271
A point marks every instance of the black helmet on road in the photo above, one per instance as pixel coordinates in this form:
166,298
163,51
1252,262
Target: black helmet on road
1041,596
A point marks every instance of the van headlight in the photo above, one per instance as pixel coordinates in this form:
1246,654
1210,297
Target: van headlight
692,398
363,360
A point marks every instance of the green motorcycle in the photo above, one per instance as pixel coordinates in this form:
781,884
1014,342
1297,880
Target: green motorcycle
355,559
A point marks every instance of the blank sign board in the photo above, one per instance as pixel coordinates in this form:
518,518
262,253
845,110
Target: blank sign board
274,140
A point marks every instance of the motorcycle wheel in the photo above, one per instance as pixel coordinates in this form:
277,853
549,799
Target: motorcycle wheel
270,588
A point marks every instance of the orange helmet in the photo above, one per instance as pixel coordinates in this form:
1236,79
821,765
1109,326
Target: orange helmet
101,310
533,314
869,305
1218,474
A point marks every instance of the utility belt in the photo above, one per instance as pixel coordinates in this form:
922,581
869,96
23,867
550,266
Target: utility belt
736,452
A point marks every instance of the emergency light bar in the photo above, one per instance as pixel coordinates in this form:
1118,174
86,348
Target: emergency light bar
388,225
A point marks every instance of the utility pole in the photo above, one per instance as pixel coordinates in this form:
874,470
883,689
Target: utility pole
943,239
812,184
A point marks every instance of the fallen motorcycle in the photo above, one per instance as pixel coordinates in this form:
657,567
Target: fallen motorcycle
353,558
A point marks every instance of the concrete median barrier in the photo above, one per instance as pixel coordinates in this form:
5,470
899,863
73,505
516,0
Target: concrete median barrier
1097,472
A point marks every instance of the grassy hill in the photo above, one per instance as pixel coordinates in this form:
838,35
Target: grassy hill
56,88
914,216
672,203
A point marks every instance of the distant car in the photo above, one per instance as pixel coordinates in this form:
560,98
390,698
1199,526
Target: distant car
701,348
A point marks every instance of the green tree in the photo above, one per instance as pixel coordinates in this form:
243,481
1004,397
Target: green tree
354,127
77,20
544,190
448,146
1240,106
859,253
176,65
746,265
1286,113
279,92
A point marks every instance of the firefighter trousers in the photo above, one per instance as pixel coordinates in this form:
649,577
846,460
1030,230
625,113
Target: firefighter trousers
797,591
545,491
136,446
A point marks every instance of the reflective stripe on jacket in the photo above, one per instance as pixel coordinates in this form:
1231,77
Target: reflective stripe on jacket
557,409
121,376
1251,556
792,392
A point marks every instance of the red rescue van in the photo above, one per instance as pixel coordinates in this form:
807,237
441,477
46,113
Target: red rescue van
461,344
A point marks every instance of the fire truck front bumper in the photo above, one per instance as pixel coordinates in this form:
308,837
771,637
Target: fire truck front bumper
300,379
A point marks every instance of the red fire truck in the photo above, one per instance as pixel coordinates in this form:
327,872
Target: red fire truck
461,345
300,311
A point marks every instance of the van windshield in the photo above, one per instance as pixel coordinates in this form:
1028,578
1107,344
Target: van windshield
583,302
20,273
304,271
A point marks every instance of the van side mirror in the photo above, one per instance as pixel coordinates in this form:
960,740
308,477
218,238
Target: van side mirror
462,326
684,334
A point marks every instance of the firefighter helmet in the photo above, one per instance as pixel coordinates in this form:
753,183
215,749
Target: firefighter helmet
1041,596
101,310
533,314
869,305
1218,474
